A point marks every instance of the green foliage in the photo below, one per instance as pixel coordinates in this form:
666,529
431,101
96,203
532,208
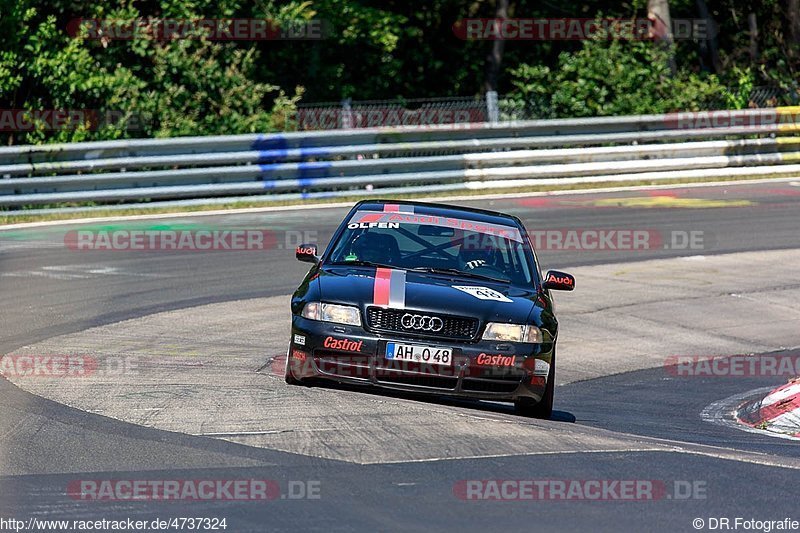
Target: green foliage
612,78
373,50
744,83
139,87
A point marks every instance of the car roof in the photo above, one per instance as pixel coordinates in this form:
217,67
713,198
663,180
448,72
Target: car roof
443,210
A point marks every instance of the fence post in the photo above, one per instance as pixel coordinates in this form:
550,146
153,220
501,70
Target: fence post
492,108
346,121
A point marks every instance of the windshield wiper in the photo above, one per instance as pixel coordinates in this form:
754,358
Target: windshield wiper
457,272
432,270
359,262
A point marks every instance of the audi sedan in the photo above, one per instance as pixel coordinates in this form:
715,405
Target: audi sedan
428,298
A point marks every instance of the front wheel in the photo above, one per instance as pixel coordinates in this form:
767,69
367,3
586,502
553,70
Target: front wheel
544,407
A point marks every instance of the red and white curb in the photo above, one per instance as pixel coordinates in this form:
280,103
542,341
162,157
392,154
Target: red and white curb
778,412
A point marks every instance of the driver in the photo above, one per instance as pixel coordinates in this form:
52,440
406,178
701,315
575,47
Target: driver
375,248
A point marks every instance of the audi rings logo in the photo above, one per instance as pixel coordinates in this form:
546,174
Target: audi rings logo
421,322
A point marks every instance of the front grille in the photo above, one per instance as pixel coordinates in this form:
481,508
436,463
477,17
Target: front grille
454,327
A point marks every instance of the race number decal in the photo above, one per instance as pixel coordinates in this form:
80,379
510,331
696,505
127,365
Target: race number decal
483,293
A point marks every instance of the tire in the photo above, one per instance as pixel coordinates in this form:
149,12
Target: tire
288,375
544,407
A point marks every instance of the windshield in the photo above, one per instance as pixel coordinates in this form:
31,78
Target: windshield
434,244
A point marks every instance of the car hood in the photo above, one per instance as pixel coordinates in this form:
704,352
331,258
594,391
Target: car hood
434,293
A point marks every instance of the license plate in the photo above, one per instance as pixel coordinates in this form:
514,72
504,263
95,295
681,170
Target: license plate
396,351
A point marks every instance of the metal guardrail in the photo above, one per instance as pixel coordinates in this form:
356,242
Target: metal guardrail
195,170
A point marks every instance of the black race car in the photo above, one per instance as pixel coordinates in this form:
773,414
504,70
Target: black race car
428,298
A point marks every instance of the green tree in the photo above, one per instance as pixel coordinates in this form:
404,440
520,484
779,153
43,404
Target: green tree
138,87
612,78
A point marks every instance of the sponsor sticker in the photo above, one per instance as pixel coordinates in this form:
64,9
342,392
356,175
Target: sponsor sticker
483,293
380,225
305,251
300,340
563,280
541,368
375,217
496,360
343,344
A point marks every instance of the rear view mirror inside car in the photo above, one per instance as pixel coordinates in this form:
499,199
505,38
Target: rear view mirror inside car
435,231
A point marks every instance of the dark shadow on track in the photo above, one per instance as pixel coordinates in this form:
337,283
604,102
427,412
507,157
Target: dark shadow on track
667,402
505,408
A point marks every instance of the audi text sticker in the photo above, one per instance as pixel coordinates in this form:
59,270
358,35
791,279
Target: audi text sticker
483,293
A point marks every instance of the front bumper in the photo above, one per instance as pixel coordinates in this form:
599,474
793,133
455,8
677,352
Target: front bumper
353,355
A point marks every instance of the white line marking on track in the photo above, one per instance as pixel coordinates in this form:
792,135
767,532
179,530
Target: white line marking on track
246,433
30,245
73,272
667,447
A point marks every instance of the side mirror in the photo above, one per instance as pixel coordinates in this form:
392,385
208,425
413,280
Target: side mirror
307,253
558,281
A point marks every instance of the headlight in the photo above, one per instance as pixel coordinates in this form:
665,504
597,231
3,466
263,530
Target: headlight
341,314
496,331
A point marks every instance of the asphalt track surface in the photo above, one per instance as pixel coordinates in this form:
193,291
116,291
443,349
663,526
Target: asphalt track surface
636,425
